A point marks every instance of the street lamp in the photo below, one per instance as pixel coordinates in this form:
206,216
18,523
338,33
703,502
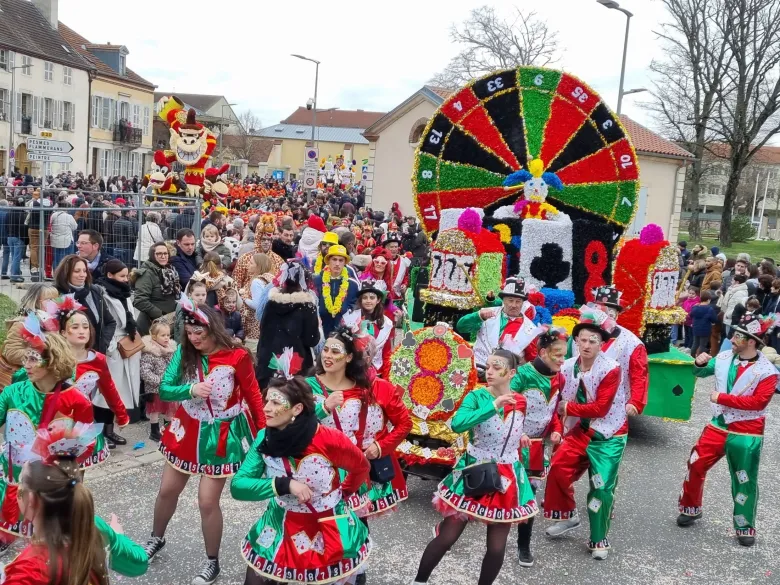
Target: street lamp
12,115
612,5
222,119
314,105
637,90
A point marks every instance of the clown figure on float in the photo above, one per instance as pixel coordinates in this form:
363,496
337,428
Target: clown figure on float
535,184
191,143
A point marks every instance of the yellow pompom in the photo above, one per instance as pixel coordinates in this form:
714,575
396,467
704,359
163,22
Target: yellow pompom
536,167
565,321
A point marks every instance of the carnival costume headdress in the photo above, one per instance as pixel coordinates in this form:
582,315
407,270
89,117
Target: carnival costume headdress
595,320
192,314
63,308
33,330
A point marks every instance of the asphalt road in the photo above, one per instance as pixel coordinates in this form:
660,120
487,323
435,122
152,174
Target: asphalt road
648,547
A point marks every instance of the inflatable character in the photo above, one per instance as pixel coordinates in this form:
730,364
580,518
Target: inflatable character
215,184
191,143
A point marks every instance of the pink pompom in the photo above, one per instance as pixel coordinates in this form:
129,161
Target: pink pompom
651,234
520,204
469,221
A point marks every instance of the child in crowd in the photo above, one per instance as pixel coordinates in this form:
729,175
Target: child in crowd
216,278
156,354
196,291
229,309
687,300
703,316
715,293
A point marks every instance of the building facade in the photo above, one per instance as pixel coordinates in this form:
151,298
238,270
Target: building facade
120,110
393,141
50,84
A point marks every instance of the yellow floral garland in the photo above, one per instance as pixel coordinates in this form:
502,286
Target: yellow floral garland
334,308
318,264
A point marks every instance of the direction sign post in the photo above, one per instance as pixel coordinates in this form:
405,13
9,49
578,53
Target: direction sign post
48,146
45,157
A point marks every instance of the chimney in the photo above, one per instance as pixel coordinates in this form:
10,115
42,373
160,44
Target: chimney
49,10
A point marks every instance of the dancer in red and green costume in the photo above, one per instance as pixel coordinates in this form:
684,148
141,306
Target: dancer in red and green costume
493,416
540,382
745,382
596,429
308,533
627,349
213,429
45,396
494,327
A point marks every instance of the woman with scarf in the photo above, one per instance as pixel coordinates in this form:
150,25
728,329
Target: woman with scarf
156,287
308,533
126,372
370,413
72,277
221,412
211,241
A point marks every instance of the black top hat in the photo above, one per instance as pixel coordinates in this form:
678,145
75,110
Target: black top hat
608,295
514,287
754,326
378,287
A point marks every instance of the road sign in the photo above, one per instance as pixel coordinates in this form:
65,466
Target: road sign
12,154
310,179
311,157
52,146
45,157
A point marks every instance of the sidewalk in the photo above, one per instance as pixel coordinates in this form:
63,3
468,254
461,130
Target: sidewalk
139,451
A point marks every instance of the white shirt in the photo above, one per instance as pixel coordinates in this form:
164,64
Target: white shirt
62,227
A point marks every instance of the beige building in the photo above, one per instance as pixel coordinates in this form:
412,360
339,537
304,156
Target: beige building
120,110
393,141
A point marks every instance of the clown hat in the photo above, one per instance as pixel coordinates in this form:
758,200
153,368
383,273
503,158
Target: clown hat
330,238
609,296
754,326
514,287
315,222
595,320
337,250
378,287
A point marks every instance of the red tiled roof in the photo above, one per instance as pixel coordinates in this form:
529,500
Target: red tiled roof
766,155
648,142
334,118
78,43
442,92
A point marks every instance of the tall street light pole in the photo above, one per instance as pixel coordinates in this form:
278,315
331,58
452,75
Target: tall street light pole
12,117
612,5
314,105
221,129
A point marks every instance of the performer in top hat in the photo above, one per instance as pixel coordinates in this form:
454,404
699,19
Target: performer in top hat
593,408
627,349
745,381
496,326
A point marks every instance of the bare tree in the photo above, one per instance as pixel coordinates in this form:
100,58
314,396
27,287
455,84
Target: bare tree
687,82
749,97
238,144
491,42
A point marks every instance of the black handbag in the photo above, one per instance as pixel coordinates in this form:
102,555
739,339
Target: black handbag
483,478
382,470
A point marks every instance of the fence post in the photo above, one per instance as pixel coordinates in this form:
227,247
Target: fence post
140,218
41,238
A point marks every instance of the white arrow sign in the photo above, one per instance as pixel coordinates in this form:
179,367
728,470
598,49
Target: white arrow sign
54,146
44,157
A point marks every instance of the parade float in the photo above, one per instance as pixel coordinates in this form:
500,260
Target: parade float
551,173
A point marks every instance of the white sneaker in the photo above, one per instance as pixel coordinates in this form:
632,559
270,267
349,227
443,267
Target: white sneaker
599,554
562,527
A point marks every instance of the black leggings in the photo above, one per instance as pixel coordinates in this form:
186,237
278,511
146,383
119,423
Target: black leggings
450,530
103,415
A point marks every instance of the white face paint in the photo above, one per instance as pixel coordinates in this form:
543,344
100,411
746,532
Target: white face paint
611,311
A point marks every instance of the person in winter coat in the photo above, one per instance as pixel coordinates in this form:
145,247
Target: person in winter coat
228,308
157,287
211,241
186,260
289,321
72,277
62,226
150,234
712,270
698,273
735,295
155,357
771,302
125,233
311,236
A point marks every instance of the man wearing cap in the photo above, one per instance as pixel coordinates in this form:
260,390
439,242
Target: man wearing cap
595,428
511,323
745,381
625,348
335,290
328,239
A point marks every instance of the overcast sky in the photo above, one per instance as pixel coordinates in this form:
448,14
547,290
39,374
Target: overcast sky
374,54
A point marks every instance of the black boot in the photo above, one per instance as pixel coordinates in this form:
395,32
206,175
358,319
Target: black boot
108,431
154,433
524,556
109,442
684,520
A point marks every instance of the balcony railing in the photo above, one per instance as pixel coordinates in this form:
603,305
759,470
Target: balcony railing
47,124
126,134
66,126
26,124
